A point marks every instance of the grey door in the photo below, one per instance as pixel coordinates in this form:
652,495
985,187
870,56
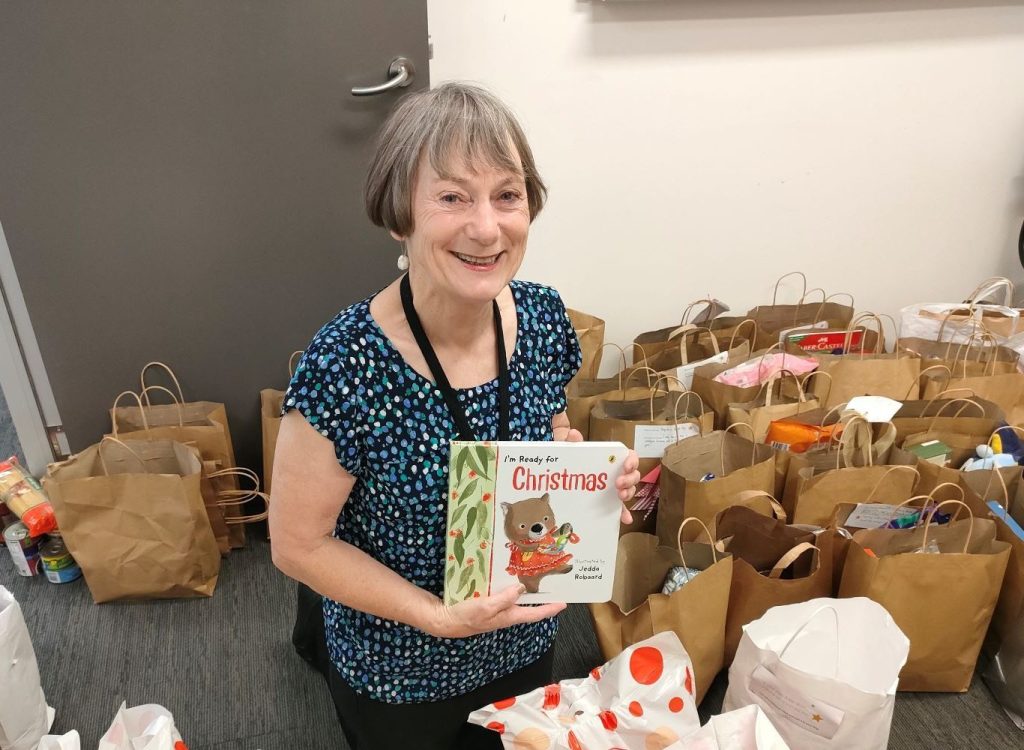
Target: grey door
181,181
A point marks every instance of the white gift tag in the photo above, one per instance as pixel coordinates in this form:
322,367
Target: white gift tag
875,515
874,408
685,372
816,717
651,440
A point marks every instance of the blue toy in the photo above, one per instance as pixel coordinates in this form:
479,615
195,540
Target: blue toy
988,459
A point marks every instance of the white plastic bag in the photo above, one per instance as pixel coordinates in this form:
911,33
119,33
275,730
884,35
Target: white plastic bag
744,729
824,671
960,321
24,715
148,727
69,741
641,699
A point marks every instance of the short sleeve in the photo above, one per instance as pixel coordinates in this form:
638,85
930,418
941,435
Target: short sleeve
566,357
321,391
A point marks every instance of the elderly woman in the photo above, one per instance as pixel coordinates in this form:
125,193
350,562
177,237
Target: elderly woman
454,349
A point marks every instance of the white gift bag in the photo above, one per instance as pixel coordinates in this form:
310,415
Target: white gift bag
148,727
24,715
744,729
960,321
824,671
69,741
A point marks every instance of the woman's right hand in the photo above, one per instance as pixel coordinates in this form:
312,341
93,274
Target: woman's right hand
487,613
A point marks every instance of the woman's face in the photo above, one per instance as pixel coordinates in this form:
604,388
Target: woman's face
469,229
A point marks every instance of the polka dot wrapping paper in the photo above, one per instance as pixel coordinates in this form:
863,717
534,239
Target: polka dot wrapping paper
642,699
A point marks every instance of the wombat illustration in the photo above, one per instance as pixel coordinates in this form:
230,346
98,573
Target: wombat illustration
536,541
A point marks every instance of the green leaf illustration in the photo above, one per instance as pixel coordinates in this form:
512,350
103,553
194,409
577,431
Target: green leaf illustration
460,463
460,550
467,494
472,588
483,520
464,578
476,467
448,575
480,559
459,510
471,518
484,456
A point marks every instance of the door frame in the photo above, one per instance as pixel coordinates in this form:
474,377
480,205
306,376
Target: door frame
23,377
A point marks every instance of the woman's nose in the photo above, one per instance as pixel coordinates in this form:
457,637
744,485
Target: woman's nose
483,224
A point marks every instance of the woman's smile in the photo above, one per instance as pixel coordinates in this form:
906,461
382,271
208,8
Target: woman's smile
480,263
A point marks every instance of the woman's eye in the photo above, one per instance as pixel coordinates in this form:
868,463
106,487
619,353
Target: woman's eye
449,198
510,196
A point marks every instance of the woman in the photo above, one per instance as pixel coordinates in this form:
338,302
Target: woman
454,349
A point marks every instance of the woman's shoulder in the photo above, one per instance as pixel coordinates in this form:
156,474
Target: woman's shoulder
351,336
541,303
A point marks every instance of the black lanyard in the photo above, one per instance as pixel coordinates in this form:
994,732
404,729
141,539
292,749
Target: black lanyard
441,380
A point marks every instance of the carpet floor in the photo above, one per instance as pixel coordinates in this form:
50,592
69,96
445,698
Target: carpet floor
226,669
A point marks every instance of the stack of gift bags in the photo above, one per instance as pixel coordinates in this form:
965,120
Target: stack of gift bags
803,451
149,510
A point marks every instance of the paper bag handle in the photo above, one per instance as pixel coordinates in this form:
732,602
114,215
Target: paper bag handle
809,292
181,409
113,410
646,369
799,630
679,539
736,330
803,293
901,467
753,444
917,381
103,464
686,312
965,402
170,372
990,285
746,496
820,373
291,363
928,521
592,373
789,558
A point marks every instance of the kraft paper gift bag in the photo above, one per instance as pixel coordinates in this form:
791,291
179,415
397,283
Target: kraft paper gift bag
696,612
214,444
743,729
585,390
24,715
956,411
271,401
824,672
816,495
768,407
968,358
687,489
718,396
1005,390
653,342
772,320
590,332
758,539
942,600
1006,490
640,700
132,516
802,573
863,374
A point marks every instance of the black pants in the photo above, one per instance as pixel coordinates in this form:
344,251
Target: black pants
372,725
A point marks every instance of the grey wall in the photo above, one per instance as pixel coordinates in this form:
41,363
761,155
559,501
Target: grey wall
181,181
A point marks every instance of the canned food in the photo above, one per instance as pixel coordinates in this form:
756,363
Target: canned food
58,564
23,548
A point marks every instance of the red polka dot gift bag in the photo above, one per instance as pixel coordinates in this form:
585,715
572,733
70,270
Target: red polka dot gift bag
641,700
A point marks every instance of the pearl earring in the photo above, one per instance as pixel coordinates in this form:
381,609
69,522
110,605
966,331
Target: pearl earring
403,262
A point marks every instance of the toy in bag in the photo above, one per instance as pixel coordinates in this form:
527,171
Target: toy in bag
149,727
20,492
643,698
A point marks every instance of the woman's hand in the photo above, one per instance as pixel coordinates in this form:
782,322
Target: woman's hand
627,482
488,613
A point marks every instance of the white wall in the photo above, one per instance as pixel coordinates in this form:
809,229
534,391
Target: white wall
698,147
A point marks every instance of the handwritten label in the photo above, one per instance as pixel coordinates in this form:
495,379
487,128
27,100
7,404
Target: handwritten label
814,716
685,372
651,440
876,515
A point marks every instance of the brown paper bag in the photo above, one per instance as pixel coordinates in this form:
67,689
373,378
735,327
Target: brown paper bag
818,494
271,401
584,391
718,396
773,319
766,407
803,573
696,613
963,359
653,342
957,411
670,416
942,602
1008,490
890,375
1006,390
132,516
737,464
189,414
590,332
760,540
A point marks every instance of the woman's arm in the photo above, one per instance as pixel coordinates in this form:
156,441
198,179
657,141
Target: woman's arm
310,489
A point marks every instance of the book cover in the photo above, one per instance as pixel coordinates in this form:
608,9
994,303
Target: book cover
542,514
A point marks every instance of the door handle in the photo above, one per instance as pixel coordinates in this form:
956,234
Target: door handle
400,74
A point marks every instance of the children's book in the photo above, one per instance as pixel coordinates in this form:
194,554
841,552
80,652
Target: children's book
541,514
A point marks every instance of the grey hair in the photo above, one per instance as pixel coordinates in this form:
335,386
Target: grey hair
451,122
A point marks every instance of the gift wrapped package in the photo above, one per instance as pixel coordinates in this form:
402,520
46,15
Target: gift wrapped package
642,699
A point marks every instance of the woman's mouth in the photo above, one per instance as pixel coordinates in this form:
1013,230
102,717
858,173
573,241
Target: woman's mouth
479,263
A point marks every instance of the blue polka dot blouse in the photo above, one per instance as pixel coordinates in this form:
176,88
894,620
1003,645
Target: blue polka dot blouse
390,428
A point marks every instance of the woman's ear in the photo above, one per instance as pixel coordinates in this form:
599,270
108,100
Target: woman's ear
396,235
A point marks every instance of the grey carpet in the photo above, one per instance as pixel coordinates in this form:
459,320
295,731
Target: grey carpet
226,669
